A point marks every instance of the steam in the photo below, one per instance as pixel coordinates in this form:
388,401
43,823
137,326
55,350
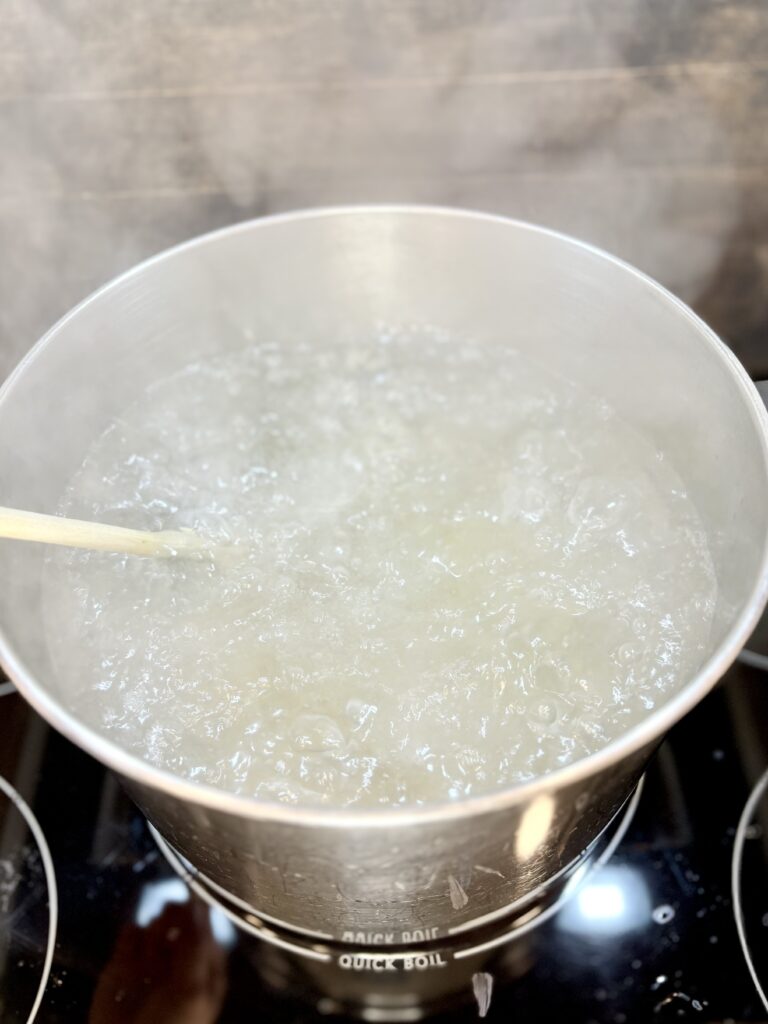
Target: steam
126,135
558,119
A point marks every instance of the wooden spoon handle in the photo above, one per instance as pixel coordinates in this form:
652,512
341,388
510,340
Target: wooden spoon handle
76,533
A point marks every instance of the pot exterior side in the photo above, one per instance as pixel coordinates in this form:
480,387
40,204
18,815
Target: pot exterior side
432,877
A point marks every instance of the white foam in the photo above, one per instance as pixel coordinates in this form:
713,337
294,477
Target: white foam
457,572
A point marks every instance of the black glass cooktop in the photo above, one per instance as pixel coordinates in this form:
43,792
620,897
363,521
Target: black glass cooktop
96,927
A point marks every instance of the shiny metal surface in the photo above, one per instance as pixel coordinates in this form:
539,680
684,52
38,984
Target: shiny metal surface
384,981
371,886
386,874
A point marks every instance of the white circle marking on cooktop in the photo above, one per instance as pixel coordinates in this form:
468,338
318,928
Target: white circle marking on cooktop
738,850
50,880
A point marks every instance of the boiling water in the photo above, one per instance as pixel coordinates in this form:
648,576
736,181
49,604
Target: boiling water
447,570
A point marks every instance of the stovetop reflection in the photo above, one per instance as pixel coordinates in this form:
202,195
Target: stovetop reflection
649,937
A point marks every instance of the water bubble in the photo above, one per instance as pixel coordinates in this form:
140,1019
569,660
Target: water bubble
317,732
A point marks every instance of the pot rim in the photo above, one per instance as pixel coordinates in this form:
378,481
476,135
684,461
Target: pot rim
641,735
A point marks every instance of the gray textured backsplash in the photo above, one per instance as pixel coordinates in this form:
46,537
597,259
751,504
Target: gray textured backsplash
641,125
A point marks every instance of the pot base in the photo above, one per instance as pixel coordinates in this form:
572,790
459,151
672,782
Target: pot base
376,983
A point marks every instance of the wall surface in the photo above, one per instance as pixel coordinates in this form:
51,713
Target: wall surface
640,125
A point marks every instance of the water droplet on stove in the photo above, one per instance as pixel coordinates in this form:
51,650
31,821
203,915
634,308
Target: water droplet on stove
459,898
663,914
482,986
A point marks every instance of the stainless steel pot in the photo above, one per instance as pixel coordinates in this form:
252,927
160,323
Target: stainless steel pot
397,876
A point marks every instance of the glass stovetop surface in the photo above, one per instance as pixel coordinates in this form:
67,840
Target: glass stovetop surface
651,937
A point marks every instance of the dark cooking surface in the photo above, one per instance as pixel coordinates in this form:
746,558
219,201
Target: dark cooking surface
650,939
